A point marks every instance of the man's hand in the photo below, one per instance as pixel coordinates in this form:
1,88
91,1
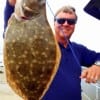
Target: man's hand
91,74
12,2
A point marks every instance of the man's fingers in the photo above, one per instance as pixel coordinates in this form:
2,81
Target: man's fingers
89,76
84,74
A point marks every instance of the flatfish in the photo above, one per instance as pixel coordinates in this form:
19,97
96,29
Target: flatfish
31,53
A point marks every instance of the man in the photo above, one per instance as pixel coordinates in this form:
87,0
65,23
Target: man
67,82
9,9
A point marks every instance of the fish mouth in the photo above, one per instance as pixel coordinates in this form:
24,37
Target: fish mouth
28,12
25,18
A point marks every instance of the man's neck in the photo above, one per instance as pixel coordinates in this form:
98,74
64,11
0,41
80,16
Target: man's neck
64,44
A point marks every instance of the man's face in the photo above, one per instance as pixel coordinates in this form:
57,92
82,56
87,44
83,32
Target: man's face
65,28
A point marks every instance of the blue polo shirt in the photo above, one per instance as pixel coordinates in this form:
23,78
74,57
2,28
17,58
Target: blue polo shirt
8,10
66,84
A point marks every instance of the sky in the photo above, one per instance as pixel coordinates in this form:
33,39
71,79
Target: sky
2,4
87,30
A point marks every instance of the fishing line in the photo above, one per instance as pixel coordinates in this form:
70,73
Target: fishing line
66,39
71,47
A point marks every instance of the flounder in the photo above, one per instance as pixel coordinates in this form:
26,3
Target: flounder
31,52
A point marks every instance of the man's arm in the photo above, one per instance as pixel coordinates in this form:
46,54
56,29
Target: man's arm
91,60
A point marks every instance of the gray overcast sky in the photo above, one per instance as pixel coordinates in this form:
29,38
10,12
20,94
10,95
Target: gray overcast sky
87,30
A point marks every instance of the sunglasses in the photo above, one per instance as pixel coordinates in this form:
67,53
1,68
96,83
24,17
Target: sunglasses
63,20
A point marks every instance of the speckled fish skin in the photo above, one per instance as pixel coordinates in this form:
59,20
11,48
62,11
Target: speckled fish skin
31,55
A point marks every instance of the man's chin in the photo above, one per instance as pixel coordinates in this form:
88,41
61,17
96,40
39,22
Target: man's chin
64,37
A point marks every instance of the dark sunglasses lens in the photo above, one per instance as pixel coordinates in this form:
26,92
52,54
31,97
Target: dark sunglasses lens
61,21
71,21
